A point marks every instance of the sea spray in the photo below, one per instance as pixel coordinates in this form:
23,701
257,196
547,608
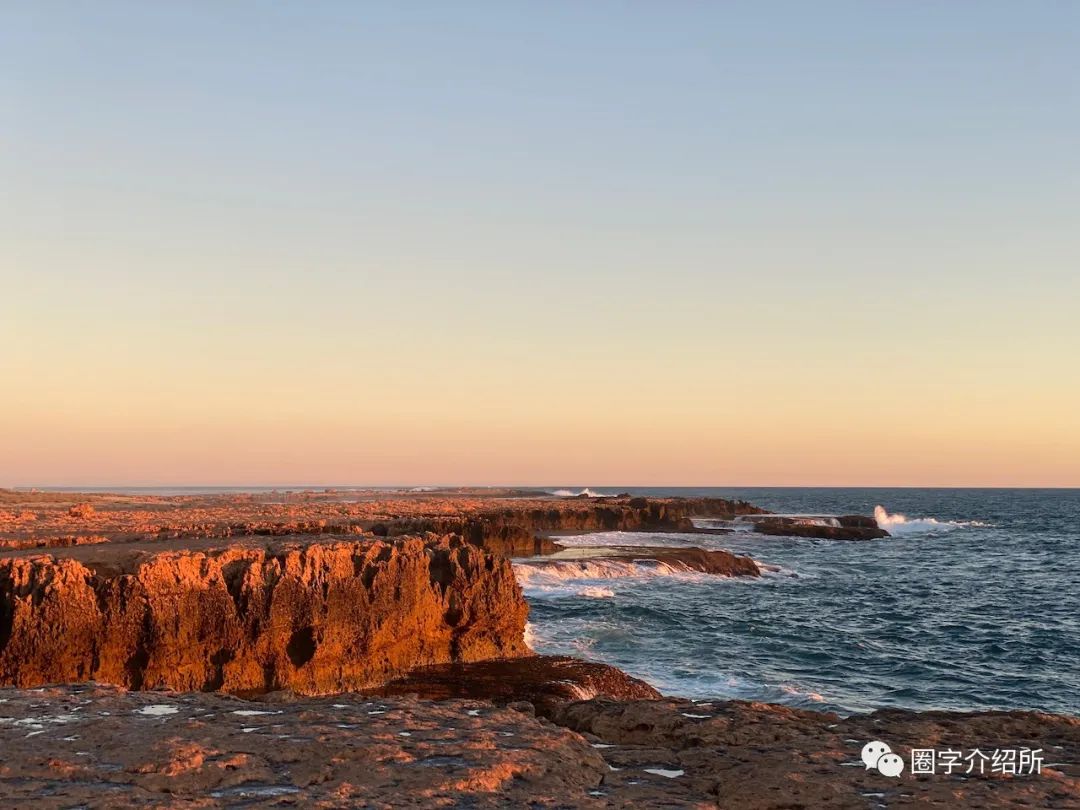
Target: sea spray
898,524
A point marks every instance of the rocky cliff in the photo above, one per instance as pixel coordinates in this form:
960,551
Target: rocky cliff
315,618
519,529
501,522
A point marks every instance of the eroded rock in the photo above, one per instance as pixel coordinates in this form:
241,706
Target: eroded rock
314,617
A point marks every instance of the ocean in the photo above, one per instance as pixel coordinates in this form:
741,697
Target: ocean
973,603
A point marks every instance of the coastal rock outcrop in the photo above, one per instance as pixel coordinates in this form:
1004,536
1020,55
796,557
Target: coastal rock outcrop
314,617
847,527
545,682
519,529
502,521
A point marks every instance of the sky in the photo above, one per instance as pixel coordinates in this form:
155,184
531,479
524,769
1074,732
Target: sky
653,243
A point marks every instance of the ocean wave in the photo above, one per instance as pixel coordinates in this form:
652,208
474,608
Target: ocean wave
797,692
588,578
553,572
898,524
596,592
776,571
569,493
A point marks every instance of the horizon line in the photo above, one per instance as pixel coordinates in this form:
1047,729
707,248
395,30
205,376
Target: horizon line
321,486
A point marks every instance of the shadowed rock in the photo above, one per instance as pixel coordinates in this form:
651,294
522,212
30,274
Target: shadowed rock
545,681
851,527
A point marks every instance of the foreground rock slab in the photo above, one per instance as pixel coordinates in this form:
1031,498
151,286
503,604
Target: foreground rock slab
758,755
99,747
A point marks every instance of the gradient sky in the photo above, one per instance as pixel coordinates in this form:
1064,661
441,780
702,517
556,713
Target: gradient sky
507,242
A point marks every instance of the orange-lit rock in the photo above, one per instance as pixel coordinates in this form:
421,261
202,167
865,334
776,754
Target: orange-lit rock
314,617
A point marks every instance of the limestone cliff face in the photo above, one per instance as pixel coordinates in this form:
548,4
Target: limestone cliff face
315,618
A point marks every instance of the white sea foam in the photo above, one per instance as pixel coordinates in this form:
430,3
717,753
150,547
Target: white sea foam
569,493
579,577
789,689
597,592
578,691
898,524
588,578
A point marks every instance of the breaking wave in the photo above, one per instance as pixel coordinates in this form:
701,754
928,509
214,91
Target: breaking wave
569,493
897,524
559,571
596,592
798,692
587,578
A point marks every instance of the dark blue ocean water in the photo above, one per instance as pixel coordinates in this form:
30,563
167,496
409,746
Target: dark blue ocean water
973,604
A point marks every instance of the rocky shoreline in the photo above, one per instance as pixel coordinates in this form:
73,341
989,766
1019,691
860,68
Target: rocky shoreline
509,522
97,746
125,657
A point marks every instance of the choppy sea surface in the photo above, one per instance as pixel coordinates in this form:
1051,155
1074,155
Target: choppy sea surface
973,603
